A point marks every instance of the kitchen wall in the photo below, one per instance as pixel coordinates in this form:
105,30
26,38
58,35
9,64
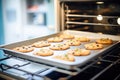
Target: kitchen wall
18,20
13,20
51,14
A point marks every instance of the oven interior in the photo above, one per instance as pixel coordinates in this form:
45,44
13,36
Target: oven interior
94,16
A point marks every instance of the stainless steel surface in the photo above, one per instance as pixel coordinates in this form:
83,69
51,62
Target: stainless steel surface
78,15
79,61
83,23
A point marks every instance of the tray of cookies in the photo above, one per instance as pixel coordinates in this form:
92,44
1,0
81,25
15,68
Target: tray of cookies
68,49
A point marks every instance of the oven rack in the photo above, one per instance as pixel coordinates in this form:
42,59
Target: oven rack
84,23
74,16
4,68
30,76
78,15
105,66
68,15
69,73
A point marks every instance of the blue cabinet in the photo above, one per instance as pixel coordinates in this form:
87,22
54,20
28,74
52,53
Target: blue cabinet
1,28
1,25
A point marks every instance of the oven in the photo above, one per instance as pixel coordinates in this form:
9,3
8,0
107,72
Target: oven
99,17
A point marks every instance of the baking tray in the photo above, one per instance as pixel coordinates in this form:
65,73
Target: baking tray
79,60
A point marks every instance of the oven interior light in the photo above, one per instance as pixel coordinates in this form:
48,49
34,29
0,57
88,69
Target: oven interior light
100,17
99,2
118,21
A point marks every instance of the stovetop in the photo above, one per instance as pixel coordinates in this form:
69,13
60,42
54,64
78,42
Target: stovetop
104,67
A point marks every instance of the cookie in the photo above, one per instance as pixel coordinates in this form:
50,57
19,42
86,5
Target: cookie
44,52
24,49
61,46
73,42
65,57
104,41
82,39
66,36
79,52
55,39
93,46
41,44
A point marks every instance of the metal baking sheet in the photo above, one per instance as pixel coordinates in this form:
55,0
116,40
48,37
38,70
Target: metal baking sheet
79,60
